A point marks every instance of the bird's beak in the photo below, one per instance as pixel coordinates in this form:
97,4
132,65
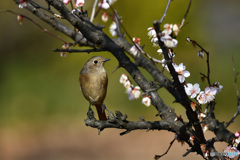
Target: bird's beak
106,60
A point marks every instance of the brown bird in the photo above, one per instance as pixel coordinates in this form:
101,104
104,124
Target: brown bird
93,81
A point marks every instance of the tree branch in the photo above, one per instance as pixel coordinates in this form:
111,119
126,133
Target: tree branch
165,12
218,128
120,122
192,116
52,21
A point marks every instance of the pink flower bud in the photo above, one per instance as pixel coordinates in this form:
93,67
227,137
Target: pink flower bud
237,134
20,18
104,17
66,1
146,101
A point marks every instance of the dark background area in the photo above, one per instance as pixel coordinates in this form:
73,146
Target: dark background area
42,109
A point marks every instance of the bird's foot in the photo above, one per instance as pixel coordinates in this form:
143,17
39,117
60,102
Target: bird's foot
110,114
90,113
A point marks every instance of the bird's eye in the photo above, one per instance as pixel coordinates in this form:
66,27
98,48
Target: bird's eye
95,62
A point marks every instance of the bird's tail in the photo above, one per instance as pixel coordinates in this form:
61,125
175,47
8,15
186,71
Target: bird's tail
101,113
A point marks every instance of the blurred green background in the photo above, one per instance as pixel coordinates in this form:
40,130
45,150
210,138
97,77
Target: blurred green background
42,109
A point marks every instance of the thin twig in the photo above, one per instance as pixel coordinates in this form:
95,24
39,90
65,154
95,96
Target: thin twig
146,54
37,24
185,16
237,93
188,151
71,3
235,77
93,10
194,43
77,50
159,156
165,12
36,5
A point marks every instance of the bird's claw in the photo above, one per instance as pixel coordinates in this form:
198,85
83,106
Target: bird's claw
111,116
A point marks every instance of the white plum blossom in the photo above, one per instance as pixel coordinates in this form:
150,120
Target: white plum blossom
74,11
218,87
202,99
166,38
175,29
180,69
201,54
151,32
201,116
236,142
127,84
169,41
104,17
210,93
129,92
79,3
104,4
207,95
154,40
206,154
160,51
123,78
171,28
192,90
168,28
153,35
188,39
134,50
146,101
22,4
113,28
134,93
20,18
